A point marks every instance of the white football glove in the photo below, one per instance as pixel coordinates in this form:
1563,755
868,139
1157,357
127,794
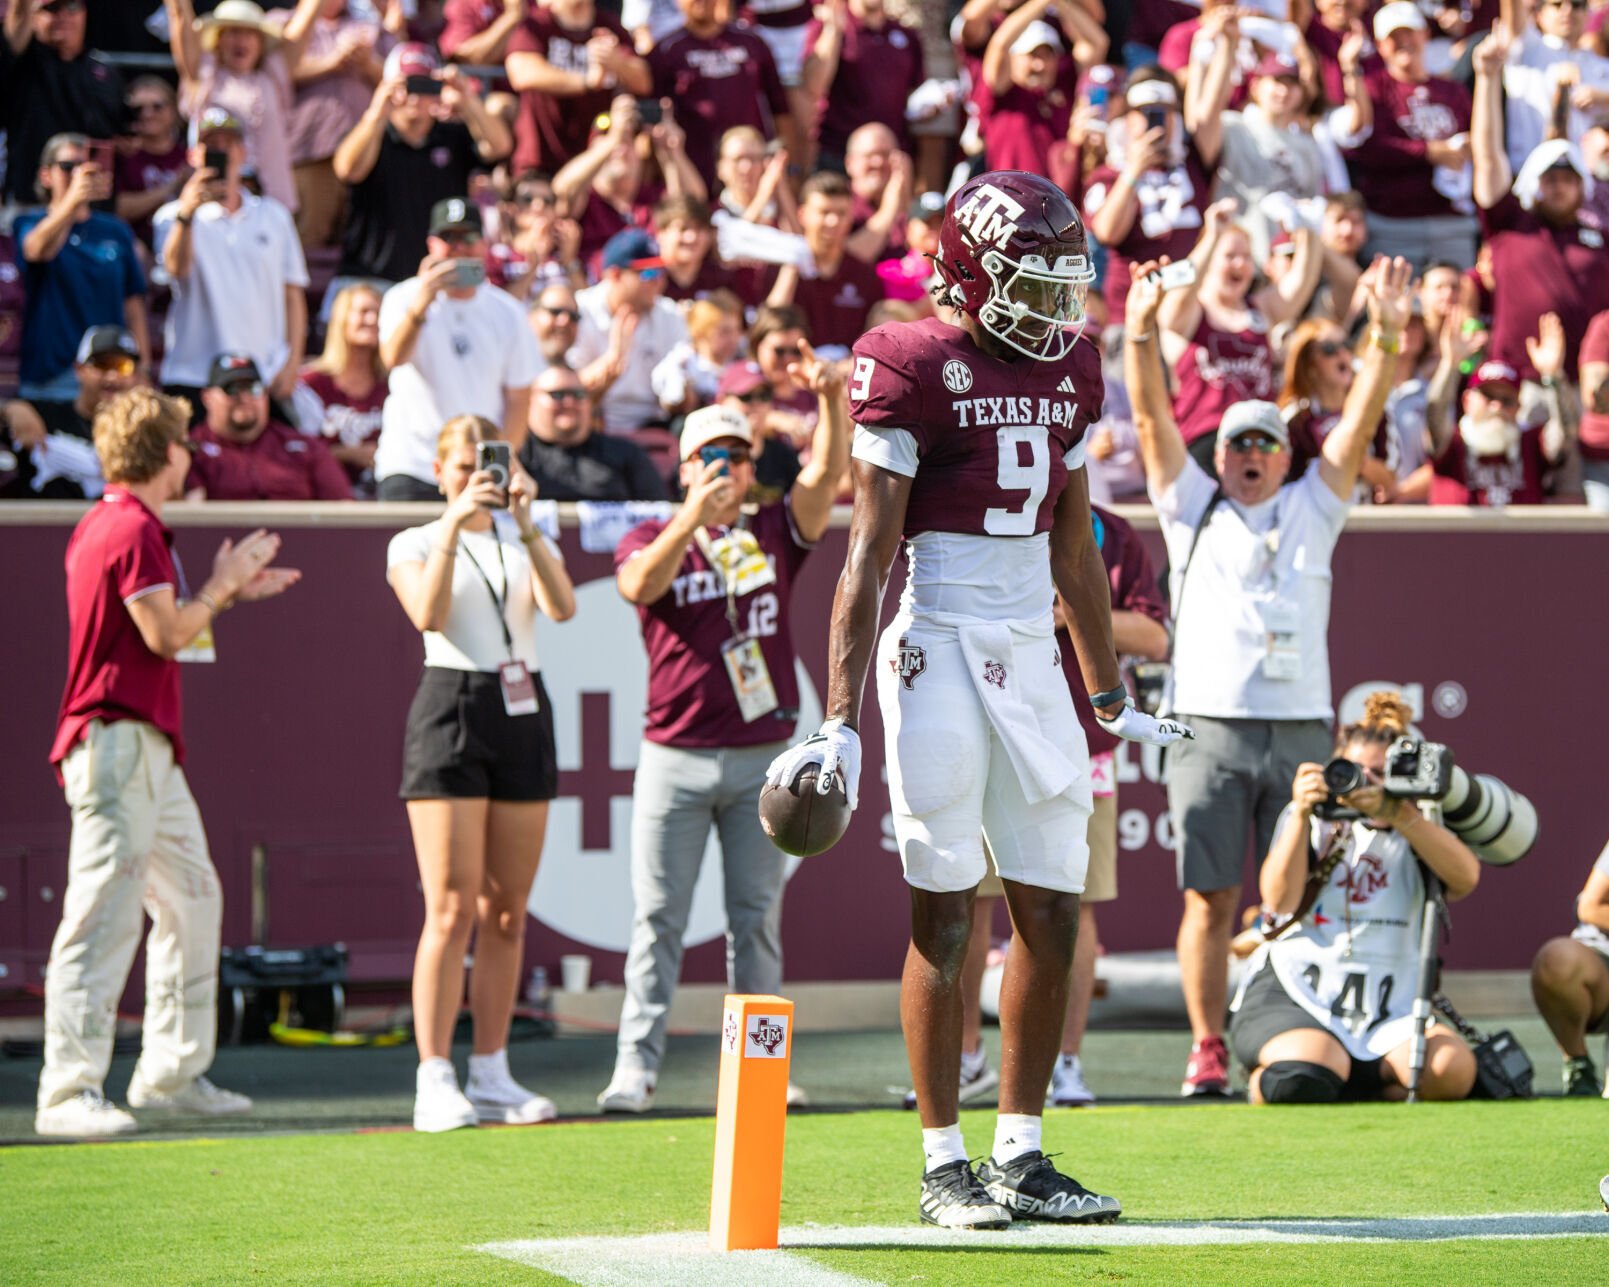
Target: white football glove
836,747
1134,725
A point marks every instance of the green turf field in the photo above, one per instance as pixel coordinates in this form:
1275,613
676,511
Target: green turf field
398,1208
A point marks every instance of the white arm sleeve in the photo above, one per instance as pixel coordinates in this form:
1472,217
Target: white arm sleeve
890,449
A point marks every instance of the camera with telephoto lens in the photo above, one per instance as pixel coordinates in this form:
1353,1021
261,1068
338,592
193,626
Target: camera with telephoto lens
1414,770
1497,823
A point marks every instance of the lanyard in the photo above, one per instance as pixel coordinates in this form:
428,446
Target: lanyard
707,548
498,600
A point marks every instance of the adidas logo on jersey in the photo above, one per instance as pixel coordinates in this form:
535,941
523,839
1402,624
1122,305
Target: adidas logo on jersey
1066,385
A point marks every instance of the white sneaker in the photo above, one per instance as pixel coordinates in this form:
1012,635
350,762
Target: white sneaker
977,1078
438,1104
199,1096
630,1090
497,1097
797,1096
87,1115
1067,1086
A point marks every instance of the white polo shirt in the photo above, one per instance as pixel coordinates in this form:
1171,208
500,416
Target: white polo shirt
233,298
467,353
1248,562
631,401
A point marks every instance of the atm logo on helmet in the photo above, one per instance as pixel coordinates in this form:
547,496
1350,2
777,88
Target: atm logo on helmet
989,215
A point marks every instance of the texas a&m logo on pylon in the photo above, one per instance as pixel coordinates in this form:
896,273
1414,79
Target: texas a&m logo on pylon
767,1037
909,662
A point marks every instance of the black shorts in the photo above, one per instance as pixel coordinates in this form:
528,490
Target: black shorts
462,744
1267,1010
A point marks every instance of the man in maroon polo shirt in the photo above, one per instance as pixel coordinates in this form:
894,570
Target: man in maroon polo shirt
1490,456
720,75
712,586
1544,259
860,66
240,454
839,289
137,836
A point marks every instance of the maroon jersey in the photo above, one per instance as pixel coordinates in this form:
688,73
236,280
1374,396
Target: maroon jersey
690,697
1595,427
549,131
1168,222
992,436
728,80
1464,479
1390,169
1134,589
119,552
1542,269
1021,125
877,70
346,420
1219,369
712,275
280,464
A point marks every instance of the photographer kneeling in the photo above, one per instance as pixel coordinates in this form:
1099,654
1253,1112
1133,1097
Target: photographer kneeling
1326,1012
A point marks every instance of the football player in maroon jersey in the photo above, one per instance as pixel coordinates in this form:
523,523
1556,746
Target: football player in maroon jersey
969,450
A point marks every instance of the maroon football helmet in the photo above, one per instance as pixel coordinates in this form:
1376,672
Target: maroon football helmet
1014,255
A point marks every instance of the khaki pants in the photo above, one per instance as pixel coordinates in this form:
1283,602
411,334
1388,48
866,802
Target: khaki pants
137,843
321,203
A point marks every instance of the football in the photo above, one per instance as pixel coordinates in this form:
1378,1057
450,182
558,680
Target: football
799,819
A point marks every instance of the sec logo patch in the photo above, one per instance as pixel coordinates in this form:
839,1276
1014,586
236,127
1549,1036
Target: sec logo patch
957,376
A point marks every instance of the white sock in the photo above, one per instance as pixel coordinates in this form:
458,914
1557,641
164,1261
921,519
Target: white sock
1014,1135
941,1146
492,1067
972,1061
427,1067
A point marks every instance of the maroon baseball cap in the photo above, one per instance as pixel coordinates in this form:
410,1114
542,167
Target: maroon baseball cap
740,378
1278,66
412,60
1489,373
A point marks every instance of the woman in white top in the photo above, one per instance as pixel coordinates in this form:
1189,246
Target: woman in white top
478,766
1327,1012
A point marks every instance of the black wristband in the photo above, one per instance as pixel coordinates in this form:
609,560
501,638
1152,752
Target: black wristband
1111,697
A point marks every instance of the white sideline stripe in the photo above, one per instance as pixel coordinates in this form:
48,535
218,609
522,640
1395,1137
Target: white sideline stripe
685,1259
667,1260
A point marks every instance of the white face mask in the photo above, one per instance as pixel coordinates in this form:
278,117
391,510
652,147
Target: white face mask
1488,435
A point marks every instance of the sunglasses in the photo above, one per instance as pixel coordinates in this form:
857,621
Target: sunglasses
761,394
649,274
252,390
114,364
737,455
460,238
64,6
566,395
568,314
541,200
787,351
1245,442
1329,348
1511,400
1580,6
67,167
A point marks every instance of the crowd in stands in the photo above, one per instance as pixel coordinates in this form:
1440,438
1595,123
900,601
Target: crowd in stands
584,220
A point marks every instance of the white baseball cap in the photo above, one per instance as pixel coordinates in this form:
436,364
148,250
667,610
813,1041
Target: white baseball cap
710,424
1254,416
1036,35
1397,15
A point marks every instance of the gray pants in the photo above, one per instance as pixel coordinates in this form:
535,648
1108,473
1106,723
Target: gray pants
1423,241
1229,784
678,794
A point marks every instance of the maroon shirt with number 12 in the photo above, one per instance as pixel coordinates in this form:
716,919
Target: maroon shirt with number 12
690,697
